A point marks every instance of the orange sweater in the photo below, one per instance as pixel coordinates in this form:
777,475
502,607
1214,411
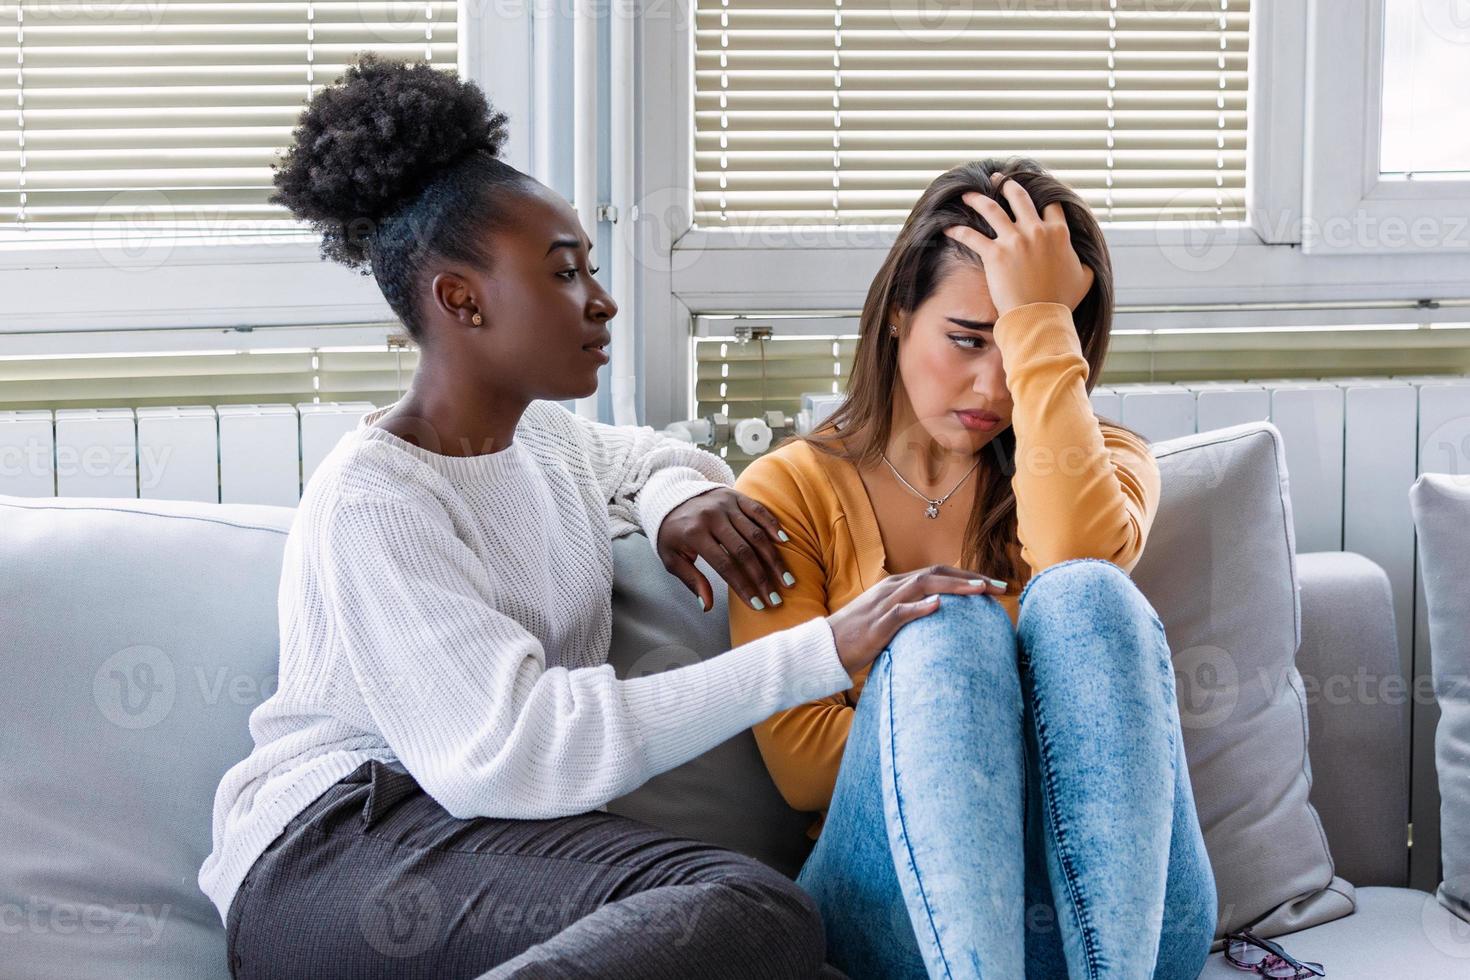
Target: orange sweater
1090,490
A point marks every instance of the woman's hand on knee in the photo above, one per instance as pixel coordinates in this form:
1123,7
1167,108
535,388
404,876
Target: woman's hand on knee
864,627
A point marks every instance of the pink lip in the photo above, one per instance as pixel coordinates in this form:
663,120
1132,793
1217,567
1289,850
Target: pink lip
601,355
979,423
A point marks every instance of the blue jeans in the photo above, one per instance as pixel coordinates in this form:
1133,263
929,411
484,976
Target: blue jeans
1014,802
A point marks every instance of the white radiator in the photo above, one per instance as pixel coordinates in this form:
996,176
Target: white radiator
254,454
1353,448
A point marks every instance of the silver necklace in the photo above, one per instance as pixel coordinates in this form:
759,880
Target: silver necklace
932,511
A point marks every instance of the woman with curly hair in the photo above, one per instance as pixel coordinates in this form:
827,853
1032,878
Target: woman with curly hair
426,792
1004,793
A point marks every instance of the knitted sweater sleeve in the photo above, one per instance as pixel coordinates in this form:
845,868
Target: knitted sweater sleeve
463,696
643,473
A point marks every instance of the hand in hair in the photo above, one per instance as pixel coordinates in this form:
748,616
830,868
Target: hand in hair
1031,259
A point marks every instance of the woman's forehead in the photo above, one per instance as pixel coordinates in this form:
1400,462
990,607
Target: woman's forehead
542,228
962,290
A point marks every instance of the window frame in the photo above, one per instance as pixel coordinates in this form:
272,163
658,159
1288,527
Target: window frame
1252,272
1344,183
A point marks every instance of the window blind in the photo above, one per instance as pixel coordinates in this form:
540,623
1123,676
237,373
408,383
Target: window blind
171,113
743,380
832,112
204,378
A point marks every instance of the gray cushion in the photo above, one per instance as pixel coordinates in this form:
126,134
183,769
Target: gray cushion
1220,569
1441,507
1360,741
138,637
725,796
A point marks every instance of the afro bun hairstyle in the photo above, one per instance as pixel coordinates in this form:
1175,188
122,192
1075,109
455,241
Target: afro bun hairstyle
393,161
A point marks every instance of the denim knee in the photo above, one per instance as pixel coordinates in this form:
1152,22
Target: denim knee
1107,586
951,625
1090,596
968,641
951,634
1076,568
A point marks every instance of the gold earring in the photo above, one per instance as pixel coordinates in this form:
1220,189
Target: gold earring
475,319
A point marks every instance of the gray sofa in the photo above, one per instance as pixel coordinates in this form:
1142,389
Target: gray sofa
139,635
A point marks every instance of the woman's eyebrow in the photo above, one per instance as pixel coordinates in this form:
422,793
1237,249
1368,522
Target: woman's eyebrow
566,243
971,324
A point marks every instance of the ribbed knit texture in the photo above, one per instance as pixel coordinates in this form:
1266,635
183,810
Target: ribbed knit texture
455,613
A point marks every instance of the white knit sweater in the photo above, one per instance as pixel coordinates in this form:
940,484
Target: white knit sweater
454,613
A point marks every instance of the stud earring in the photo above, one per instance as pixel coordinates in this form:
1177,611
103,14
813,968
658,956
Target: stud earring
475,319
893,330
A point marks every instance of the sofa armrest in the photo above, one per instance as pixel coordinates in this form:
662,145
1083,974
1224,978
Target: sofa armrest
1358,704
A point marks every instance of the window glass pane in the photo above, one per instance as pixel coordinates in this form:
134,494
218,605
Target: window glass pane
1426,78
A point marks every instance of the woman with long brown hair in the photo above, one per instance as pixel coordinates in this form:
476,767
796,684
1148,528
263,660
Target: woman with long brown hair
1011,796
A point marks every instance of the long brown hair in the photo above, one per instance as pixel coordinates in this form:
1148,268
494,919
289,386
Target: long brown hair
910,273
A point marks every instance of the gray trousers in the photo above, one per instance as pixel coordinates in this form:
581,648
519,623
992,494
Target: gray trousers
376,879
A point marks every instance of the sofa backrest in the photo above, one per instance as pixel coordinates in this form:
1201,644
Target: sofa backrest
138,636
